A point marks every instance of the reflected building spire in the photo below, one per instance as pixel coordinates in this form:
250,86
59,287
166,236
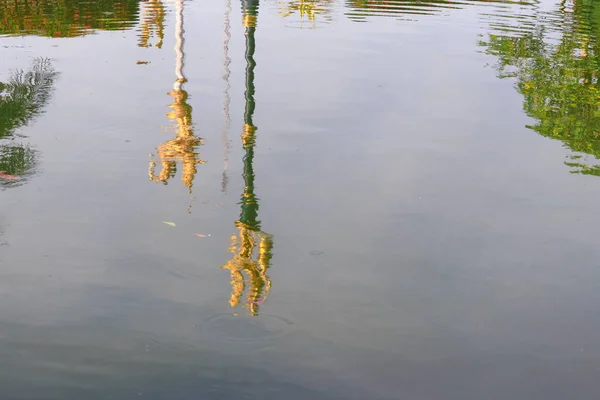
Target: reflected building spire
183,148
249,272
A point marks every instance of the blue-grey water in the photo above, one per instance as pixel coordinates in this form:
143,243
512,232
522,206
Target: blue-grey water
295,199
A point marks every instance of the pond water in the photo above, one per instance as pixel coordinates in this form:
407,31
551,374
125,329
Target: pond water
293,199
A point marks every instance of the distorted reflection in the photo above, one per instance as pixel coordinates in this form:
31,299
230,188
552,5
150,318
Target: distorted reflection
556,69
360,10
183,148
246,268
308,10
22,98
65,18
152,23
226,98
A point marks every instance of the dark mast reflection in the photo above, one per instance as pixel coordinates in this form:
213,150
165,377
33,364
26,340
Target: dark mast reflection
244,268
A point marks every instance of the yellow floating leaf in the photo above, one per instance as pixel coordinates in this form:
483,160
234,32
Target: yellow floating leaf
169,223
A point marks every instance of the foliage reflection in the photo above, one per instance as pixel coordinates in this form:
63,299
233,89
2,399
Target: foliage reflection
22,98
556,68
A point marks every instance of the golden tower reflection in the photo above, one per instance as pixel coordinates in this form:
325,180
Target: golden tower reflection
183,147
249,270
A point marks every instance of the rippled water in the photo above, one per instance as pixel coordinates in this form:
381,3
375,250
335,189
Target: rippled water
299,199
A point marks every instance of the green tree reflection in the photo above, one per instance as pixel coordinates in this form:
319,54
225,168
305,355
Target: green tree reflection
21,99
556,67
65,18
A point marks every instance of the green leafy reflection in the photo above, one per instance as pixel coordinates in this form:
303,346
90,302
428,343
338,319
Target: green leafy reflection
556,67
22,98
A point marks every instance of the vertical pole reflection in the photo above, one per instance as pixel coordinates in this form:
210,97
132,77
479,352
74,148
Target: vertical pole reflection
226,98
245,270
183,148
179,43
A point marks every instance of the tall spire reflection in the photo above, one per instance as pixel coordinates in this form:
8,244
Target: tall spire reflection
249,272
183,147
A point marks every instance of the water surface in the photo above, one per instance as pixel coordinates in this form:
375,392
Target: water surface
299,199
